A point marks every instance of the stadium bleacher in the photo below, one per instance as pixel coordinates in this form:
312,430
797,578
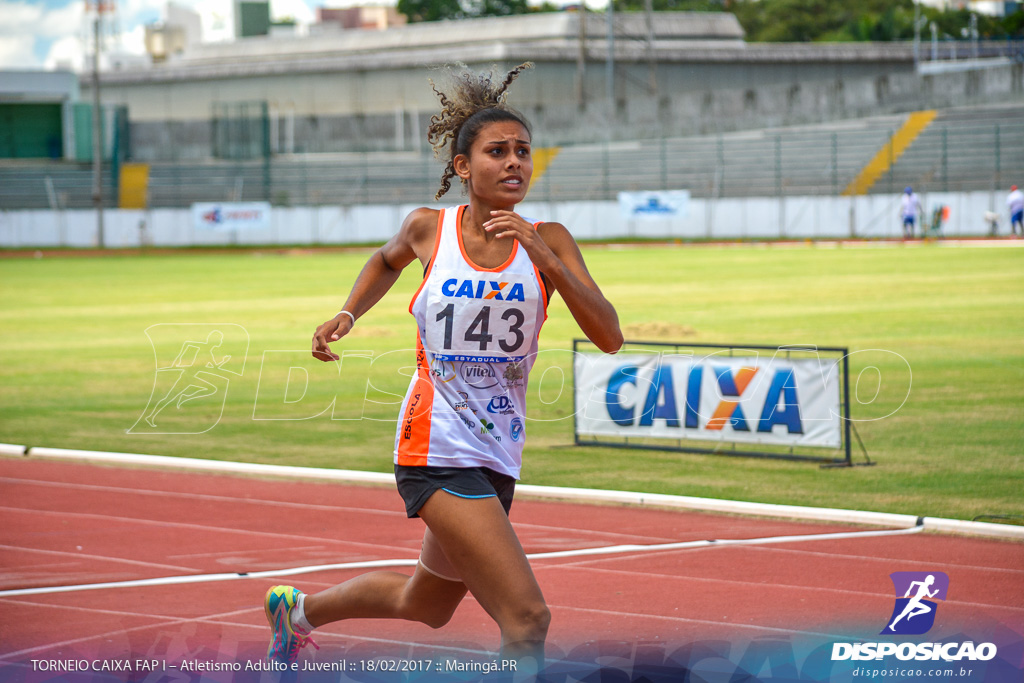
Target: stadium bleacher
964,149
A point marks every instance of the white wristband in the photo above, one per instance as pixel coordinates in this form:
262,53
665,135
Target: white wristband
349,315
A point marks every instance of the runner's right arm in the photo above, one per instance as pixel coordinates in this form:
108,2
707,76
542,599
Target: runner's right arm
414,240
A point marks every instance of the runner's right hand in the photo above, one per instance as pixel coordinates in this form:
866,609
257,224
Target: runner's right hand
332,330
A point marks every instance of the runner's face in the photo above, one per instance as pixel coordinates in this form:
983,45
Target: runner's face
500,165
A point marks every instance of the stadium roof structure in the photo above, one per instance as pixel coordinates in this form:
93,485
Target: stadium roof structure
680,37
546,36
33,85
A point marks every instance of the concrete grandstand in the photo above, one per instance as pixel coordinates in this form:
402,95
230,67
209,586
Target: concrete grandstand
691,74
339,118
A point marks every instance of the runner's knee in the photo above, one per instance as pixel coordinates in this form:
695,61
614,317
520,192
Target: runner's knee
437,617
433,613
434,620
528,623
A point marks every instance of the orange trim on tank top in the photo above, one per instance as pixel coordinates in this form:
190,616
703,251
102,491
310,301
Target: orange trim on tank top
433,258
469,261
414,439
540,283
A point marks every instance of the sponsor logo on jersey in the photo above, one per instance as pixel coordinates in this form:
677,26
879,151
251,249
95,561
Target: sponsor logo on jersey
483,289
516,429
407,429
501,405
485,425
441,369
478,375
513,375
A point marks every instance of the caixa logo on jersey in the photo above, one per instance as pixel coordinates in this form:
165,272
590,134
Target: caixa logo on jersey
483,289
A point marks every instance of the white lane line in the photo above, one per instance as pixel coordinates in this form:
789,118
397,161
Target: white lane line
585,532
217,620
560,493
705,622
120,560
904,560
161,623
721,543
605,550
582,566
203,496
306,507
85,639
118,613
841,557
201,527
320,633
208,578
242,551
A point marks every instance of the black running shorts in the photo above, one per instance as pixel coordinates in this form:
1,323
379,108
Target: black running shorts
417,483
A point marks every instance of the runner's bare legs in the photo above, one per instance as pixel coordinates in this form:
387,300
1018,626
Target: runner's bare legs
479,541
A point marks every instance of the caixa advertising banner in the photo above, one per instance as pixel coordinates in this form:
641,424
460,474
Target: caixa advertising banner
761,398
230,216
654,205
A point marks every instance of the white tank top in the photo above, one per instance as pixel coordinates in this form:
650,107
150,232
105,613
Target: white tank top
476,341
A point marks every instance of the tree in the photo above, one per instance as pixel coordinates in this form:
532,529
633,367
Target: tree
436,10
672,5
431,10
498,8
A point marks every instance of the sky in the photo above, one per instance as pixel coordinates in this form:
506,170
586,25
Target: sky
49,34
45,34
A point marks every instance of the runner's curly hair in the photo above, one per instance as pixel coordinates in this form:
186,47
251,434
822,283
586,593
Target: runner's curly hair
472,101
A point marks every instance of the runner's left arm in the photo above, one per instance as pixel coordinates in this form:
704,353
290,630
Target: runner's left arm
556,254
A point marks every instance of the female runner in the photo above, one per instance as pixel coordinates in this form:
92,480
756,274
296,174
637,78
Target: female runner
488,273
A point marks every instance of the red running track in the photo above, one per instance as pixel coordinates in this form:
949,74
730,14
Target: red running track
71,524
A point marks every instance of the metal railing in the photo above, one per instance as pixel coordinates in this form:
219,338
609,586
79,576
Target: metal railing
960,151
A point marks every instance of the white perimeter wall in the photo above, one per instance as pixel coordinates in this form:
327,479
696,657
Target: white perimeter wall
870,216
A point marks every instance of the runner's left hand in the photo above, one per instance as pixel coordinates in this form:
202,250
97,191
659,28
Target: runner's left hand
510,224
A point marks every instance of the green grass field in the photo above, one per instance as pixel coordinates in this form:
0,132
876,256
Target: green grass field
78,368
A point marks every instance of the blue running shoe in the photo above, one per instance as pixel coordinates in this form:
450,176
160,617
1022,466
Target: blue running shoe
286,642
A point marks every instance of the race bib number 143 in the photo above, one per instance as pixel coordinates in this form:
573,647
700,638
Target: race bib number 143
480,319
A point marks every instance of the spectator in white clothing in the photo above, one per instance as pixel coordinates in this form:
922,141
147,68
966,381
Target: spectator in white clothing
1015,205
910,209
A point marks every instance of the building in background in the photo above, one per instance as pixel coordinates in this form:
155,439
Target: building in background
181,29
252,18
996,8
685,73
37,116
163,40
365,17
